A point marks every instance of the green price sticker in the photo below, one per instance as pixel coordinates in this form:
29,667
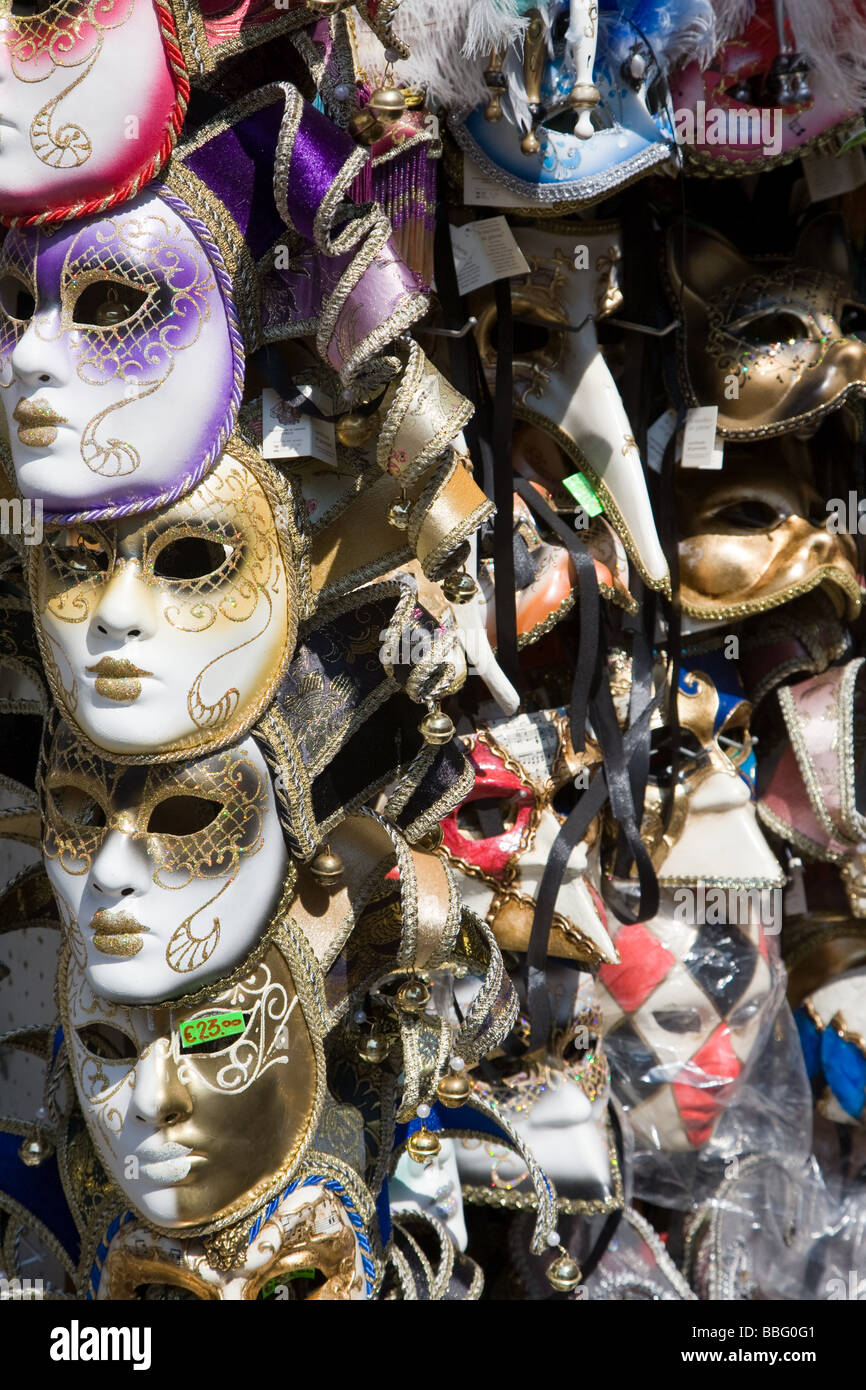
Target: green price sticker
205,1030
584,494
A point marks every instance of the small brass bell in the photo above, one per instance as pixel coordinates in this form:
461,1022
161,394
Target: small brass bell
454,1089
436,727
387,104
413,996
34,1151
374,1048
564,1274
365,127
432,841
354,430
326,867
459,588
398,514
111,311
423,1146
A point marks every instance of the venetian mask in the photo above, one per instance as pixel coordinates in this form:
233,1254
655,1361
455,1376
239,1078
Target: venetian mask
557,1103
569,122
195,1112
500,837
764,101
682,1014
832,1030
562,383
712,835
166,876
90,102
109,328
773,344
306,1249
754,535
166,635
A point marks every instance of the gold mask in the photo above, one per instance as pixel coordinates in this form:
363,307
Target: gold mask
166,635
775,345
754,535
195,1133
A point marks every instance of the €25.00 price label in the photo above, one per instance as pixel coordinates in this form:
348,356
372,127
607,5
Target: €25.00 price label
205,1030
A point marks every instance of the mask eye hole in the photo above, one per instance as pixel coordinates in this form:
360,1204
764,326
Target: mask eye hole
16,299
164,1293
191,557
747,514
78,807
105,1041
487,818
29,9
747,1012
774,328
182,815
294,1286
678,1020
661,753
84,555
852,321
105,304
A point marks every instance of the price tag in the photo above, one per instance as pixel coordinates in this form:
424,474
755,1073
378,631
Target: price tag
204,1030
287,434
700,446
584,493
481,191
486,251
830,174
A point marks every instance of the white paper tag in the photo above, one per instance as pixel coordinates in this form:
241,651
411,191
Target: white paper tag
830,174
479,190
532,740
701,448
658,437
486,251
287,434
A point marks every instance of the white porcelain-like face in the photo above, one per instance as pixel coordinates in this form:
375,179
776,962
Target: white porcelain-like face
85,95
557,1107
166,877
116,360
308,1249
168,633
188,1132
432,1187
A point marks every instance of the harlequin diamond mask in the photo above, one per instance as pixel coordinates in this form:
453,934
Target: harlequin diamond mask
682,1015
166,635
557,1103
171,1098
500,837
775,345
167,876
755,535
307,1249
712,835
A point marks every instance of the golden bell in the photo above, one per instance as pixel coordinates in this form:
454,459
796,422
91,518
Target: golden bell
423,1146
459,588
34,1151
398,514
387,103
432,840
326,867
529,144
413,996
454,1089
437,728
365,127
564,1274
374,1048
355,430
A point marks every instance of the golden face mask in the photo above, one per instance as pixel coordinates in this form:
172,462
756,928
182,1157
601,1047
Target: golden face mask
166,635
192,1122
307,1249
166,877
754,535
775,345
